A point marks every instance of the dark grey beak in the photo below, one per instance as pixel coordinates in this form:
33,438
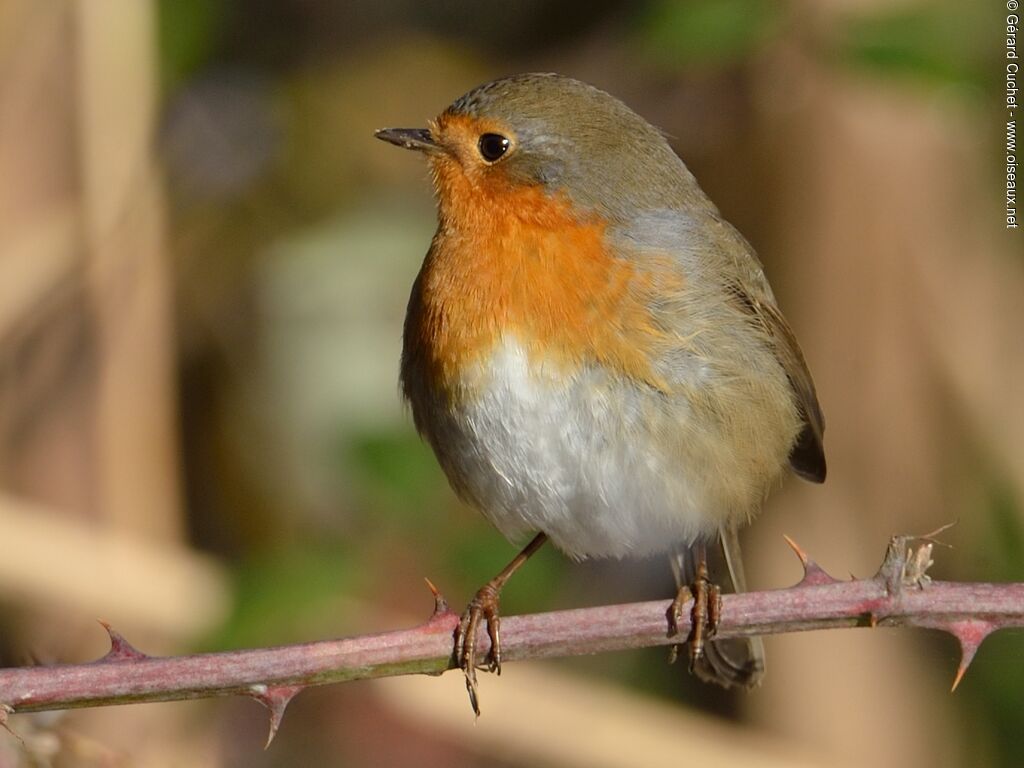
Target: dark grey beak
409,138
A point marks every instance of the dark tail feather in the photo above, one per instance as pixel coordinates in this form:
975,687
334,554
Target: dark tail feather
729,662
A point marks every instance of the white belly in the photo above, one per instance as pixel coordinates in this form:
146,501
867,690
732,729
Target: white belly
603,468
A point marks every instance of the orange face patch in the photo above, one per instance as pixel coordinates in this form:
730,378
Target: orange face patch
511,259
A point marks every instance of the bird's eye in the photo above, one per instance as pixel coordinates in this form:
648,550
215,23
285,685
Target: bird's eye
492,146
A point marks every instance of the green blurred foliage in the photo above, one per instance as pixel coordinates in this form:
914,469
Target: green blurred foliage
397,470
707,32
187,32
940,43
1005,543
292,594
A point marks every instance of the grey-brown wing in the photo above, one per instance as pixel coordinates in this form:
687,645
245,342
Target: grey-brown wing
749,286
808,455
711,247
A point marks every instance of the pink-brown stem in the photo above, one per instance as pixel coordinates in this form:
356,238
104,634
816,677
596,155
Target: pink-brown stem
897,596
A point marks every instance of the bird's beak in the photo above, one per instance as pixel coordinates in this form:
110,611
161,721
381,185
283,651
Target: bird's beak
419,139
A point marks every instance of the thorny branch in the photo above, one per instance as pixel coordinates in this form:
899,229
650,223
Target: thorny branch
900,594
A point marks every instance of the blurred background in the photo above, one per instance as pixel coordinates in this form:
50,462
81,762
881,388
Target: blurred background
204,263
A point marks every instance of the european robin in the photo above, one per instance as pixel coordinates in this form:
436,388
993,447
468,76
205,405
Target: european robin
593,353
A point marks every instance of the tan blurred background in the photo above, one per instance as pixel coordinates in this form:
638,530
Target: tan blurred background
204,262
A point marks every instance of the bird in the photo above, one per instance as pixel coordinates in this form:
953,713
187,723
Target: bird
594,354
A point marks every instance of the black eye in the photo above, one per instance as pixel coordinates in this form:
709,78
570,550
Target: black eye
493,146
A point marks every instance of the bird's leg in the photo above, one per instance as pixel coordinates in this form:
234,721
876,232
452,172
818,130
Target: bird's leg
484,605
705,613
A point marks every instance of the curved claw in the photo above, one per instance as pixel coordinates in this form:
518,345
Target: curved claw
465,652
494,632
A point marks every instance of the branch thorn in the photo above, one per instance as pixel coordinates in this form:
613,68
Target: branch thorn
970,633
814,574
440,603
120,649
275,699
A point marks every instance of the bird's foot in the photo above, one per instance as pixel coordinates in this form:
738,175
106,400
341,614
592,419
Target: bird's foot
704,614
483,606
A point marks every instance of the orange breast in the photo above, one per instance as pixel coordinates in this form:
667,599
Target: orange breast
511,260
